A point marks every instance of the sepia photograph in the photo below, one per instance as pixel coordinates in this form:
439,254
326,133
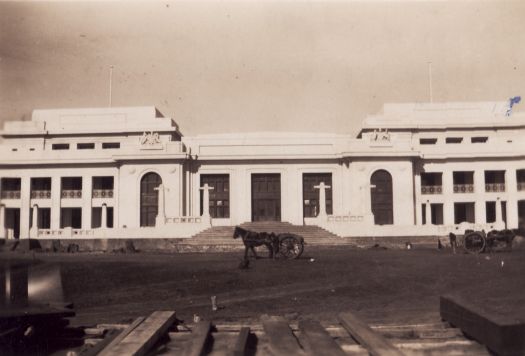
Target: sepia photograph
262,177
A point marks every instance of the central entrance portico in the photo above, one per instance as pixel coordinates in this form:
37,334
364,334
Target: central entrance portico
266,197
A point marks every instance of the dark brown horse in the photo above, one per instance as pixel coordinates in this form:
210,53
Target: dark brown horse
252,239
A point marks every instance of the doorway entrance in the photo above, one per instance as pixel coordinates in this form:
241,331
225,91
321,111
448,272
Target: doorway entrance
12,223
149,199
381,196
266,197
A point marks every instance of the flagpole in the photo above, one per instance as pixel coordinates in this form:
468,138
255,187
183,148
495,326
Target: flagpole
430,81
110,83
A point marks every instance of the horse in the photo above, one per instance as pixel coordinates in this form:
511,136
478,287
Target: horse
252,239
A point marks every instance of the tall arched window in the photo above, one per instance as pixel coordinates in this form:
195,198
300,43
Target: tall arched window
381,197
149,198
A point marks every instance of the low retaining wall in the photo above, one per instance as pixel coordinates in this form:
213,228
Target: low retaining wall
120,245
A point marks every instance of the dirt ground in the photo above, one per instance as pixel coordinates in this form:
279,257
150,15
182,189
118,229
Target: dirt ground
387,286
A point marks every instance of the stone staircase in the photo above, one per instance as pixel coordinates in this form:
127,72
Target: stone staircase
223,235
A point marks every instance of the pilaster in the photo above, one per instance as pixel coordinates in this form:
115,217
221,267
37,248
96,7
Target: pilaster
418,196
55,202
25,196
448,201
87,186
511,188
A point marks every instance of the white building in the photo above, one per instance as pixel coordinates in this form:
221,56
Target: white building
415,169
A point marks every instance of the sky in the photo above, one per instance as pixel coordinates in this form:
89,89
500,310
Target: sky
240,66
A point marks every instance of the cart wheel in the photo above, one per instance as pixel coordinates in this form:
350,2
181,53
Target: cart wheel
290,246
474,242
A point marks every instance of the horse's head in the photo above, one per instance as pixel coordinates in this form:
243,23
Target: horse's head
237,232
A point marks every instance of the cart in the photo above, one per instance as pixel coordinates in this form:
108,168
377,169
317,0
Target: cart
479,241
291,246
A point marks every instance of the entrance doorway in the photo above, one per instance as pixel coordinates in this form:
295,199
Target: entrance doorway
12,223
381,196
149,199
266,197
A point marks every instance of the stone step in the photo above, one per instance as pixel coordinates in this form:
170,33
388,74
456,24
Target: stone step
217,233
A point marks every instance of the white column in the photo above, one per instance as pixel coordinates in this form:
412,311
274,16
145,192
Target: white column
104,217
366,198
418,197
161,214
34,222
87,187
480,211
428,215
448,196
25,205
511,188
55,202
322,198
3,234
206,200
499,214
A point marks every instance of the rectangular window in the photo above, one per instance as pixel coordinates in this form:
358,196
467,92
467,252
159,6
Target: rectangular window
40,188
454,139
431,183
71,217
427,141
464,212
219,195
436,214
494,181
85,146
479,139
71,187
96,217
110,145
102,187
43,218
60,146
10,188
463,182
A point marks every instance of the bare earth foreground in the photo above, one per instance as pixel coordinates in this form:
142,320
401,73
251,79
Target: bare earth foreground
387,286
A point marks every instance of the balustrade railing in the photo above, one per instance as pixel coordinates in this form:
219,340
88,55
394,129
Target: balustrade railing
71,193
463,188
102,193
431,189
10,194
495,187
41,194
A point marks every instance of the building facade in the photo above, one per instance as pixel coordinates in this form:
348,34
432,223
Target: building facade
414,169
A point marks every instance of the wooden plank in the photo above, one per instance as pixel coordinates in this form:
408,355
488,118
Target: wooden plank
145,335
376,344
501,333
199,336
318,340
101,344
241,342
281,339
122,335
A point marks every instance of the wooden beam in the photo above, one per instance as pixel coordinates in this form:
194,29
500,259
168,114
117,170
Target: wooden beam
241,343
145,335
318,340
122,335
503,333
281,339
375,344
199,336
